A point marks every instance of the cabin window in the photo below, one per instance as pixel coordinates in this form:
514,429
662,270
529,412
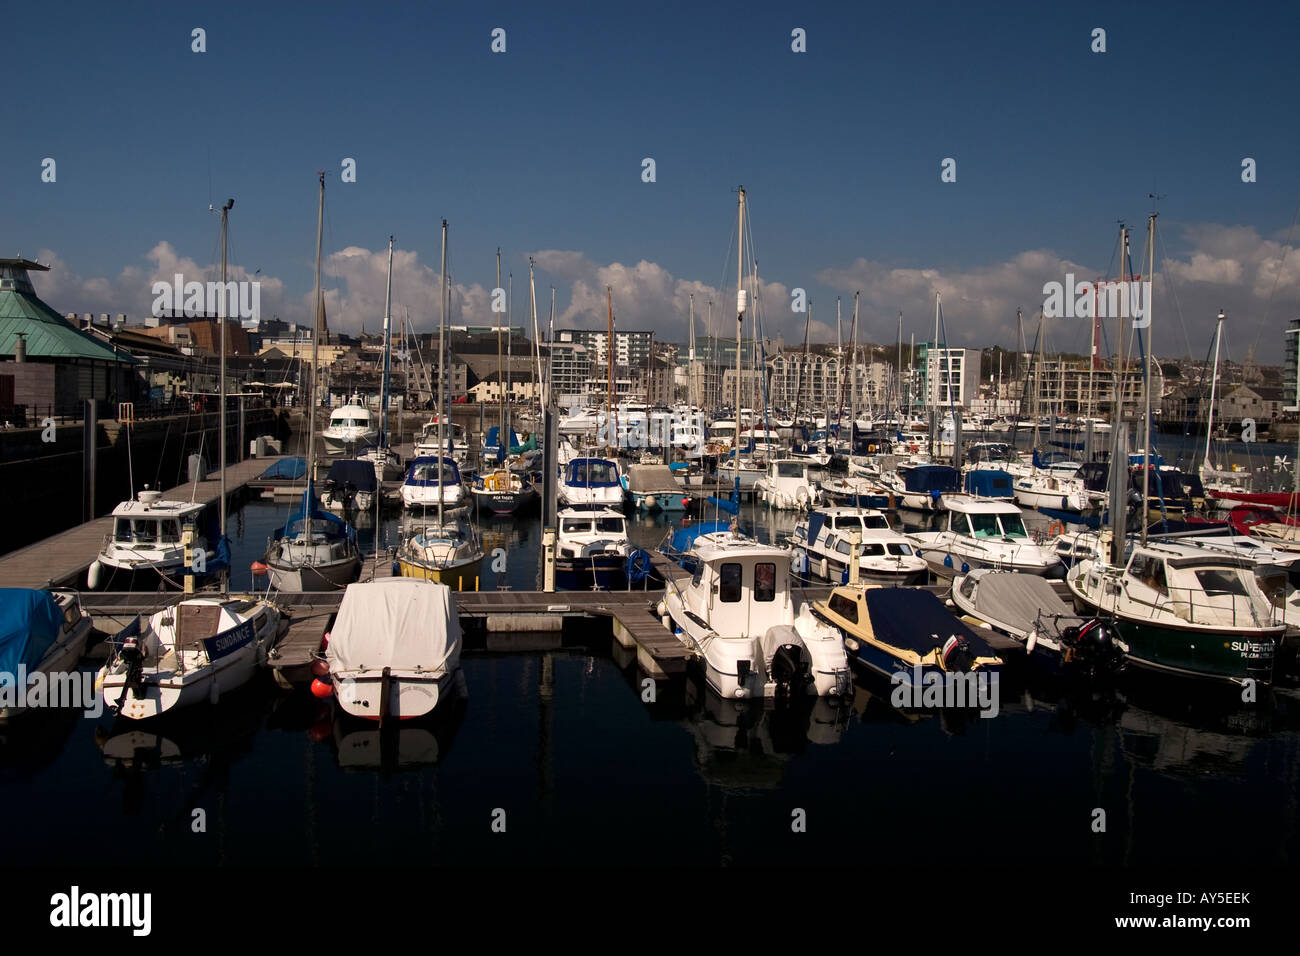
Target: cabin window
765,582
900,548
72,615
171,531
873,550
985,525
1150,571
844,607
875,521
1274,587
843,523
576,525
789,469
1222,581
609,525
1013,527
841,546
729,583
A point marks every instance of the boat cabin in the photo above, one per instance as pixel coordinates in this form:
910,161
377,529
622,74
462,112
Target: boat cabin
986,519
736,583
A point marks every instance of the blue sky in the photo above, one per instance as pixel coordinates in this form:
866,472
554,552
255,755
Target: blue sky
538,150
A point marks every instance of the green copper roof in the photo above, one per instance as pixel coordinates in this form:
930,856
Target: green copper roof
49,335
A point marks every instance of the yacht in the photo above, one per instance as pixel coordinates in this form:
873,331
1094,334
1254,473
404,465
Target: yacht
350,425
448,551
823,545
190,653
502,492
983,533
422,489
314,551
592,549
739,616
144,549
1183,610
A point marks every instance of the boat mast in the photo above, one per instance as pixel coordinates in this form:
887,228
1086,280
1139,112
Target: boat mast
225,211
442,389
1146,418
611,427
740,326
1214,378
388,337
315,362
853,380
1119,463
690,363
934,410
898,375
501,376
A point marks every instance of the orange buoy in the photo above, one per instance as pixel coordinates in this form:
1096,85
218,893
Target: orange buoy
259,568
320,668
320,688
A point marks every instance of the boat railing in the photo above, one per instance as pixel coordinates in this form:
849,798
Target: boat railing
1216,609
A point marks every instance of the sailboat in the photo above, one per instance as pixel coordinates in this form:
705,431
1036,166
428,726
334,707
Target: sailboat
387,464
448,551
315,550
202,647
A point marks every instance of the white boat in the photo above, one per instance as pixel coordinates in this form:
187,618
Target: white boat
984,533
456,442
190,653
1046,489
146,538
41,632
592,549
422,489
350,425
785,485
590,483
739,616
823,546
394,649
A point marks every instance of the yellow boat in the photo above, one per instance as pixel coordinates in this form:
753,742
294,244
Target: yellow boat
449,553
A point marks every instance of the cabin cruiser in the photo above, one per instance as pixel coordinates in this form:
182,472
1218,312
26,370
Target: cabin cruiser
786,485
41,632
749,470
899,633
591,482
653,488
983,533
146,540
457,444
1184,610
1048,489
350,425
582,421
823,546
350,484
394,649
989,483
739,616
421,488
1027,608
448,552
314,551
856,492
592,549
190,653
386,462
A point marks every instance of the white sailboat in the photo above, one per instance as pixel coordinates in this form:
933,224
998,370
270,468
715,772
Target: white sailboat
202,647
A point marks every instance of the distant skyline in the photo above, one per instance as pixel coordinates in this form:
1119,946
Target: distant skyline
539,150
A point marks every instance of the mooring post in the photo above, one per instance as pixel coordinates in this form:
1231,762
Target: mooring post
90,425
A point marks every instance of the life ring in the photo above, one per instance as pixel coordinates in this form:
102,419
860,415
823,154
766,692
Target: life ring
1055,529
914,449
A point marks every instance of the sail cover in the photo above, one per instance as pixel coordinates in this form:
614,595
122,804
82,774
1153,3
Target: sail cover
29,626
406,624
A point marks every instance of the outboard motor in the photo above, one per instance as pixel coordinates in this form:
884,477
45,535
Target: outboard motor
790,672
134,658
1092,646
957,656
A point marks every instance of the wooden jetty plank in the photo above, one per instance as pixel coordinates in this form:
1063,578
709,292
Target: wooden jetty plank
64,557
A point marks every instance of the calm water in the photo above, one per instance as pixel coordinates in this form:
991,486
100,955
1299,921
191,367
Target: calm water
587,773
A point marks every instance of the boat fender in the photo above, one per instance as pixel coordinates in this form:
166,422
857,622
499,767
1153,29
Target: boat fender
651,501
214,692
321,687
965,568
1031,641
947,560
662,609
92,576
851,644
320,667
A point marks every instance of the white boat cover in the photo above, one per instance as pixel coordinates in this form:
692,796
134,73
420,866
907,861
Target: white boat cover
406,624
652,480
1017,600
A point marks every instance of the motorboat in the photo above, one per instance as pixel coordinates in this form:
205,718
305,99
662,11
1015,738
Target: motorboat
592,549
145,549
739,616
923,487
823,544
590,482
190,653
982,533
786,485
423,487
653,488
1027,608
1184,610
350,426
350,485
394,650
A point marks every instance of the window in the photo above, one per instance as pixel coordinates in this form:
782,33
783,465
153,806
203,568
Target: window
699,573
609,525
1222,581
729,583
1150,570
789,469
576,525
900,548
841,546
875,521
873,550
171,531
1013,527
765,582
844,607
122,529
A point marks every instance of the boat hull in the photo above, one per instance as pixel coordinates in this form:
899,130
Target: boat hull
504,502
314,577
602,573
461,577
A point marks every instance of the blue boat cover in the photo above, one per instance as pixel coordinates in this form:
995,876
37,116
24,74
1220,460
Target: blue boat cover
916,620
683,538
331,525
29,626
989,483
932,478
287,468
352,471
815,522
492,445
425,461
